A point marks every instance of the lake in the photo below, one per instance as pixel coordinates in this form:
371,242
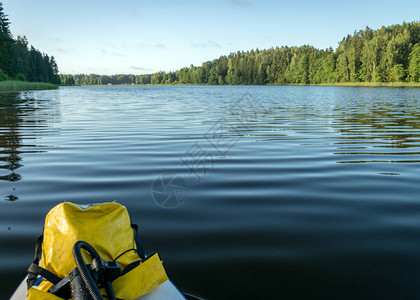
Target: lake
246,192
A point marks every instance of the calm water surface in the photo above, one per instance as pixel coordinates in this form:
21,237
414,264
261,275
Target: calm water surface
290,192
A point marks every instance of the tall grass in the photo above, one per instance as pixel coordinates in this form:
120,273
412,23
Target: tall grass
11,85
376,84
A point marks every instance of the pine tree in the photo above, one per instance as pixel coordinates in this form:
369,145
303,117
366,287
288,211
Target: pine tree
6,44
414,66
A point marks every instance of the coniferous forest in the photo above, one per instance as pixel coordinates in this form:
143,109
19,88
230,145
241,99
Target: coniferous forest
19,61
389,54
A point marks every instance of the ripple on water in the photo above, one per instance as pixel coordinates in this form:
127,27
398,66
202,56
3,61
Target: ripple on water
303,191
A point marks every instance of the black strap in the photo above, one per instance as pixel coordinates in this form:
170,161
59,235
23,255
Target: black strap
38,248
140,251
130,267
32,276
139,244
36,269
126,251
134,264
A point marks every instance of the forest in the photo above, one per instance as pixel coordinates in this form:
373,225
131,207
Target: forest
389,54
20,62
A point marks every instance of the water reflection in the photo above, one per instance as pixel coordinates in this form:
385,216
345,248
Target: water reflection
355,130
379,132
10,140
18,112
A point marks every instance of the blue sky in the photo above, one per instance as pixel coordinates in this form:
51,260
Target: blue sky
138,37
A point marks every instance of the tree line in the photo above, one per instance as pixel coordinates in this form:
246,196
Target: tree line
19,61
389,54
95,79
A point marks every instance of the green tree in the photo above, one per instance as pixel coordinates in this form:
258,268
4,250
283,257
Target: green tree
3,76
20,77
414,66
397,73
377,75
302,69
386,54
21,56
6,44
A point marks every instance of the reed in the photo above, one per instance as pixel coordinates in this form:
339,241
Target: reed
12,85
376,84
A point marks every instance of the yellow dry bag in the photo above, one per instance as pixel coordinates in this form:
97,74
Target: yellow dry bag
107,229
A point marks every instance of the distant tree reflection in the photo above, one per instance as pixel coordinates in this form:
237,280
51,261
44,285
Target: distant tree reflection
16,109
10,140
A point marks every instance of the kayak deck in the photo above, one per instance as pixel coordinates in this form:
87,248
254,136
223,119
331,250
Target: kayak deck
166,290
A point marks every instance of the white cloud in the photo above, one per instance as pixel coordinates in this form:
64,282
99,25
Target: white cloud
208,44
240,3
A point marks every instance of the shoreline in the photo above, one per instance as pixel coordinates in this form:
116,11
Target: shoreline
374,84
15,86
345,84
